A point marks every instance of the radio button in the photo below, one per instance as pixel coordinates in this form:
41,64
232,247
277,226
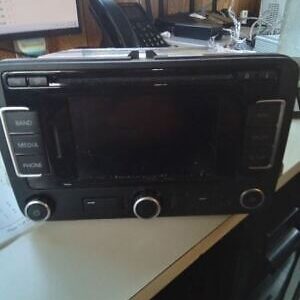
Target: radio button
261,137
265,114
259,157
16,81
36,164
27,144
256,161
38,81
22,122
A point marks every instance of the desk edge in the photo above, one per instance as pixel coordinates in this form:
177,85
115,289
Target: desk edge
176,268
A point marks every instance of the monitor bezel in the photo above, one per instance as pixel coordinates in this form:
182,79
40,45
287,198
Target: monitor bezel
45,33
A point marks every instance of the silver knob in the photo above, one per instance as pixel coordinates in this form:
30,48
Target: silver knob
146,208
37,210
252,198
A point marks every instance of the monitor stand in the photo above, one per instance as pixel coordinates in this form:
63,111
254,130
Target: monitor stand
31,47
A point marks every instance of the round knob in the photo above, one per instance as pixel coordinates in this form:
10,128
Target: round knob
37,210
252,198
146,208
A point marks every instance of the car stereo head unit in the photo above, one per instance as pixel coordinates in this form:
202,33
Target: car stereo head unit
161,136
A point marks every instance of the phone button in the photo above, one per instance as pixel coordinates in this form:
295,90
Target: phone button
31,165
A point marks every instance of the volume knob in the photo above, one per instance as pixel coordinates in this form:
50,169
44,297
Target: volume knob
252,198
146,208
37,210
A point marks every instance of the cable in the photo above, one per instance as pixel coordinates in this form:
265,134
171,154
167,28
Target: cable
192,6
261,20
149,9
161,8
214,5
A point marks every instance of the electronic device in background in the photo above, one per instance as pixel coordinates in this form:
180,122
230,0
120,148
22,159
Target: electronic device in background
107,136
193,25
27,22
272,13
126,24
267,43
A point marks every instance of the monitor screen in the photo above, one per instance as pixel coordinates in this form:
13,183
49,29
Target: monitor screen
21,17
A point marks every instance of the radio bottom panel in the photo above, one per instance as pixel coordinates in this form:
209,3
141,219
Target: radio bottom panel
142,203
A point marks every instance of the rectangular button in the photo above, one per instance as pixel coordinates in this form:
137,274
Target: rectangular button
260,136
259,157
22,122
17,81
27,144
38,81
36,164
105,207
265,114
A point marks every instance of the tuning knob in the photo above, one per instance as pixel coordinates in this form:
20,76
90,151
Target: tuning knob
37,210
251,199
146,208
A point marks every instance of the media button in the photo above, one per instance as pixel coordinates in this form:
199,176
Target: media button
27,144
36,164
22,122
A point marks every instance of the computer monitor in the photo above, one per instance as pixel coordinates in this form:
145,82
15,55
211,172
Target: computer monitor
33,18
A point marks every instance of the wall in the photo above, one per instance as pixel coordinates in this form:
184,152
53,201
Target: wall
91,35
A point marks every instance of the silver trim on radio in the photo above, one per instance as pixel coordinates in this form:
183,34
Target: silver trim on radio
255,190
277,134
8,141
33,202
146,198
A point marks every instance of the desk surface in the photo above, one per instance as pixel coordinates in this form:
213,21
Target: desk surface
114,259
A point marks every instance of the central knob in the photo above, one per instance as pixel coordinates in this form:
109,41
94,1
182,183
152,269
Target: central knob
146,208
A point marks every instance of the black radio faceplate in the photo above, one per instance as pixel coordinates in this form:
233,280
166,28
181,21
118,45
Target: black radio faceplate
102,139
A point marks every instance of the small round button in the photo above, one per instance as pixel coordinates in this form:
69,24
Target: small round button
37,210
252,198
146,208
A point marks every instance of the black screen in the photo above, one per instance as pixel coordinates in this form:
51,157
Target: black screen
144,133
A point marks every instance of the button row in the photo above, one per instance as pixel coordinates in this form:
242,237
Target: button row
252,75
261,130
26,142
23,81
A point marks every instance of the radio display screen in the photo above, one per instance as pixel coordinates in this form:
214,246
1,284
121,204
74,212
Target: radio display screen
148,133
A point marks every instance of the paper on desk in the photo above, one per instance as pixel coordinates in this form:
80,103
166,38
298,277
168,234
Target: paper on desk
12,221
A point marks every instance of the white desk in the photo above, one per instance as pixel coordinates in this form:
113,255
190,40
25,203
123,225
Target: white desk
114,259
